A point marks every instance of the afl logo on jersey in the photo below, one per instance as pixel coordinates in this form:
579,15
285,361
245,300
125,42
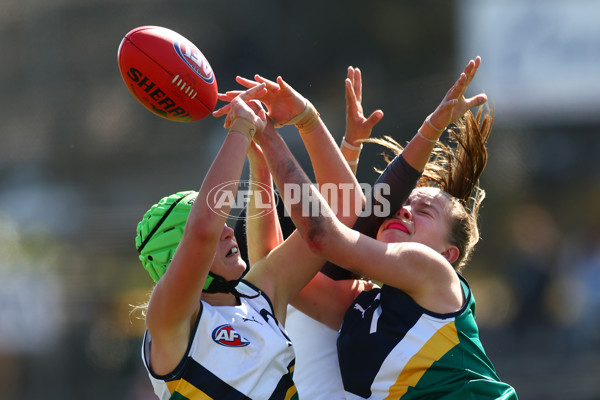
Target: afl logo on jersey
194,59
225,335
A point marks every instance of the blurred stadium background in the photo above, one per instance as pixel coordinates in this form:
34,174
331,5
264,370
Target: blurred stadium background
81,161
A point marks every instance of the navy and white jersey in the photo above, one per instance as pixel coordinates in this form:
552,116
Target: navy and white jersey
235,352
391,348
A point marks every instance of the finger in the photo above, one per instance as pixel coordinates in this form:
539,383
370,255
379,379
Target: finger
350,98
459,87
262,114
469,67
227,122
283,84
358,84
477,62
374,119
234,92
255,105
476,101
350,74
253,93
470,71
271,86
222,111
230,95
376,116
247,83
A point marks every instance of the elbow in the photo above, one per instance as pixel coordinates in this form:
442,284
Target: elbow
317,238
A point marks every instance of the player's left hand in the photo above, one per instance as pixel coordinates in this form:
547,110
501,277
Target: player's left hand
358,127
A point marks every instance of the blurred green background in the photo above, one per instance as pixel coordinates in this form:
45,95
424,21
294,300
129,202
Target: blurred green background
81,161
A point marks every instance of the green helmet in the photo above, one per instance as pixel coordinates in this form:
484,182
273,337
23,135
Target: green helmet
160,231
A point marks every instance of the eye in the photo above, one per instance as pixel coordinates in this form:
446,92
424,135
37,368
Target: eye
425,211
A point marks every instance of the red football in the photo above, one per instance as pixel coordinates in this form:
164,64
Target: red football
167,74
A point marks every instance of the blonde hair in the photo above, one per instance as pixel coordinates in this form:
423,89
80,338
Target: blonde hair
455,169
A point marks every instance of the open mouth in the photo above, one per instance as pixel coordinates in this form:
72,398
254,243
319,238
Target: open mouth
232,251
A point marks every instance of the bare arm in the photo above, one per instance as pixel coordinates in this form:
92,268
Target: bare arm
324,298
263,231
284,278
286,269
451,109
288,107
175,300
402,174
348,248
289,267
285,105
327,300
377,260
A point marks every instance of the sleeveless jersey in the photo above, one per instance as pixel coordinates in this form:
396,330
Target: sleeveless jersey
317,373
235,352
391,348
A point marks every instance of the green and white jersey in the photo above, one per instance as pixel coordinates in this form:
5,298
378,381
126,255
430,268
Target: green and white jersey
391,348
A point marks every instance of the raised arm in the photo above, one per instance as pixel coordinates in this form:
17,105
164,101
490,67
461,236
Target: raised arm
400,176
403,173
452,107
328,294
415,156
287,269
174,302
287,107
359,253
263,230
358,128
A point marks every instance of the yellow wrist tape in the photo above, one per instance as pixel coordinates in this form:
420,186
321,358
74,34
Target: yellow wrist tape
306,121
243,126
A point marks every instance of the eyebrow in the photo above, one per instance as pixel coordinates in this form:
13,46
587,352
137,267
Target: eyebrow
426,204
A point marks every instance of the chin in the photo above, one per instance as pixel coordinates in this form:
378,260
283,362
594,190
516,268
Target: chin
390,237
239,266
230,267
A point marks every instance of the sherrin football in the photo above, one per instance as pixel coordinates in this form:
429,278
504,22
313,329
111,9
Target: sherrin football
167,74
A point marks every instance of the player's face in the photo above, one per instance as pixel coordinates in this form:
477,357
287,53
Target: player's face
227,262
423,218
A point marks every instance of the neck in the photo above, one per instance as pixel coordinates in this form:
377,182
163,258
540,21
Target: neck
219,299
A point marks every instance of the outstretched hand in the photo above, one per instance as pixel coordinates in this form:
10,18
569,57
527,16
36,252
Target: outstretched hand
246,106
357,126
454,104
282,101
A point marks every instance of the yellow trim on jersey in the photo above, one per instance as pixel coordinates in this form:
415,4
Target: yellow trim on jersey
438,345
292,391
187,390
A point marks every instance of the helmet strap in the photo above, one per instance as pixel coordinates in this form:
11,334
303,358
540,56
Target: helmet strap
160,222
218,284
